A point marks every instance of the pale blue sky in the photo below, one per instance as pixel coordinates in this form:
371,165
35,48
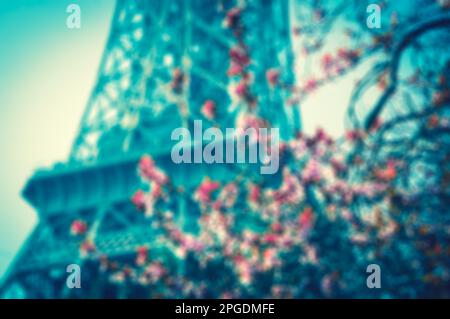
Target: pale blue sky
47,73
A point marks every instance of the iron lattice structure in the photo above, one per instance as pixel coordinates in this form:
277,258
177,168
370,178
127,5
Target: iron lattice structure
132,111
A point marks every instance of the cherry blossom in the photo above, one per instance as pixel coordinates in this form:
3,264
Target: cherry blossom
203,192
209,109
78,227
273,77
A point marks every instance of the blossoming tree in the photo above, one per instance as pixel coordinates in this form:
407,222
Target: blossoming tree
374,196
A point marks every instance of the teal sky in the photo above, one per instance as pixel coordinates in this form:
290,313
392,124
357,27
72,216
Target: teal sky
47,73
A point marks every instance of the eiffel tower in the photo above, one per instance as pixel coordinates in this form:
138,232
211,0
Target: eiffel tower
132,112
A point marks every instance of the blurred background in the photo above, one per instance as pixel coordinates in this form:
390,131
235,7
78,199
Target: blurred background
380,94
49,72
